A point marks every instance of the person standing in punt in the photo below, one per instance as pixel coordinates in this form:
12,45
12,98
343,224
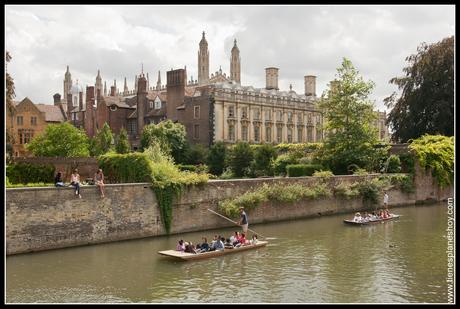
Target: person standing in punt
243,220
385,200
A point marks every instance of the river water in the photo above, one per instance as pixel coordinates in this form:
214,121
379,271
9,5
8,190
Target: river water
318,260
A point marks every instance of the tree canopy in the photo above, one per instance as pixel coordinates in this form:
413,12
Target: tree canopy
103,141
349,115
122,143
60,140
426,102
170,135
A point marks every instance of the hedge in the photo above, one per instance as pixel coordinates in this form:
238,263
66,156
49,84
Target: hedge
28,173
125,168
297,170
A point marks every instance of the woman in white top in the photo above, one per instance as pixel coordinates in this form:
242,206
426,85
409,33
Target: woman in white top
357,217
75,182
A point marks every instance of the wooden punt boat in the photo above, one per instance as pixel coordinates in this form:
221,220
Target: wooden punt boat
185,256
371,222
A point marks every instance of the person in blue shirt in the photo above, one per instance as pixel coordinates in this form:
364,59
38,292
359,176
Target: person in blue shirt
243,220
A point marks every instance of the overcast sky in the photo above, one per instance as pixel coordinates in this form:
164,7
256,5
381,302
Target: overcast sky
299,40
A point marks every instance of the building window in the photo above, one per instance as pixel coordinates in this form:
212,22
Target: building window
157,103
196,131
309,118
74,116
268,115
196,112
132,127
33,121
25,135
244,113
279,133
231,132
299,118
289,114
268,134
244,133
256,114
151,104
299,135
318,135
289,135
75,103
256,134
19,120
310,134
279,116
231,111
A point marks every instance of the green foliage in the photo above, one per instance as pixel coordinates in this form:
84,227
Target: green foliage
283,160
169,134
23,173
437,153
300,147
297,170
196,154
403,182
60,140
277,192
325,174
103,140
426,101
122,143
227,174
240,158
346,190
350,116
217,158
264,155
201,168
393,164
369,190
360,172
125,168
407,163
30,185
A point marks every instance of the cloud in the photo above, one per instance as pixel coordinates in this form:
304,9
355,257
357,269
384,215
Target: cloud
299,40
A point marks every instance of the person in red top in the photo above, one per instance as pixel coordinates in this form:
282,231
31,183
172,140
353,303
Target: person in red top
242,239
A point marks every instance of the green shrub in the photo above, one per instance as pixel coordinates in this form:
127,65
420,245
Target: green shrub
360,172
240,159
401,181
227,174
325,174
264,155
437,153
30,185
407,163
30,173
297,170
125,168
283,160
196,154
217,157
346,190
187,167
393,164
369,190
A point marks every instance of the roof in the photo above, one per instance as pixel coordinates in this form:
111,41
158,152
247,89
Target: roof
53,113
118,101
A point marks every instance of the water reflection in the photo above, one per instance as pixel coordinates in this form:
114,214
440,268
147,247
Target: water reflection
312,260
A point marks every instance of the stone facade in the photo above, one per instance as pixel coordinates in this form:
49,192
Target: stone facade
48,218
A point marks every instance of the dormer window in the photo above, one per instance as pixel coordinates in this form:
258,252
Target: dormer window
113,108
157,103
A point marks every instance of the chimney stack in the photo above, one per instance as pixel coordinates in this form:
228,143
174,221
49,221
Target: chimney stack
271,76
57,99
310,85
175,87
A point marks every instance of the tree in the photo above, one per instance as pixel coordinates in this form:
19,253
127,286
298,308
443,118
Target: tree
10,94
196,154
264,156
169,134
60,140
216,158
349,116
122,143
103,141
426,103
240,159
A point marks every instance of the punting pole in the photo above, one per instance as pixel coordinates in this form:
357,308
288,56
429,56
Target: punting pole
234,222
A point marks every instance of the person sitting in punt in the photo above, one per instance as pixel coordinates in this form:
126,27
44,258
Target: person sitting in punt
384,214
374,216
234,238
254,239
243,241
365,217
387,213
219,245
228,244
213,243
380,214
190,248
204,246
180,245
357,217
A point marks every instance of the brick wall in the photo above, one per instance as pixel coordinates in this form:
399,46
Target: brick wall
47,218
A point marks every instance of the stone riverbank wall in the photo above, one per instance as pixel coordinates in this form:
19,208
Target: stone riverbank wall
49,218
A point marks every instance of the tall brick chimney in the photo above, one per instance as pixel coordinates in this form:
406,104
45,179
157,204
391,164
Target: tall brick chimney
271,77
141,102
80,99
89,115
57,99
175,89
310,85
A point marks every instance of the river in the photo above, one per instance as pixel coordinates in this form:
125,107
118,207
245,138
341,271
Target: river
317,260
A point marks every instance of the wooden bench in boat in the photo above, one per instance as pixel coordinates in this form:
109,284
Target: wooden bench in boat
190,256
370,222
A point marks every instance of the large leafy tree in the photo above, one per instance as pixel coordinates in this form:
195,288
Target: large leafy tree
171,136
349,116
122,143
10,94
216,158
60,140
103,141
426,102
240,158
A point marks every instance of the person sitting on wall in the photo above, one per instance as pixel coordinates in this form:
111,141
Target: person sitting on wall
99,181
75,182
58,182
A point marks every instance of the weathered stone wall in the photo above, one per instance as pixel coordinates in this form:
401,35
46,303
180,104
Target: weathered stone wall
47,218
